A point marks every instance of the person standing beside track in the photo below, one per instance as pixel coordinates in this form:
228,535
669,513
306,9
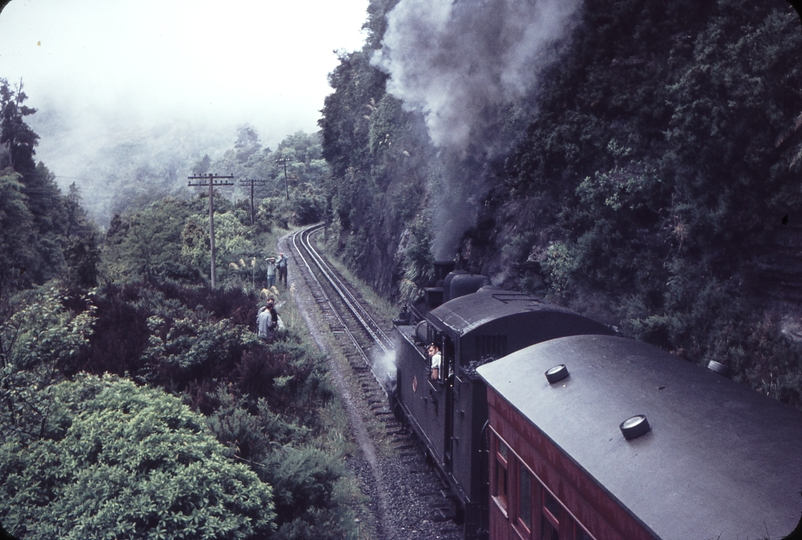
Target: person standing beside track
264,324
271,271
281,266
271,308
267,320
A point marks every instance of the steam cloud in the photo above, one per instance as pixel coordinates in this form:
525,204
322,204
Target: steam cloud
384,367
455,61
462,64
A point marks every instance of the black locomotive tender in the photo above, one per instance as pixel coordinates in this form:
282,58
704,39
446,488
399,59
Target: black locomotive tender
475,324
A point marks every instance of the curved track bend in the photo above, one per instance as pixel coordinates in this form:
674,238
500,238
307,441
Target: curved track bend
407,496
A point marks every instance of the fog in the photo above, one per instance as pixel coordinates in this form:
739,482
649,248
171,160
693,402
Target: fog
124,86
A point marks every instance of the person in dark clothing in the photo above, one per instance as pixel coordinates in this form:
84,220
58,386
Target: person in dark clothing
271,307
281,266
267,320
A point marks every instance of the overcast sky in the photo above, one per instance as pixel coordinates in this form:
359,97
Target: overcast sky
140,63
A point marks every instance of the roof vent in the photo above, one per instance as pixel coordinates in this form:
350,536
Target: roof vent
719,368
557,373
634,427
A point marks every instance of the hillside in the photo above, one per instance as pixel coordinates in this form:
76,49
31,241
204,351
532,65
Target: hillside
636,160
120,369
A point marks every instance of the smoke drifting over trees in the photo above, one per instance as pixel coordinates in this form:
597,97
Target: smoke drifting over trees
627,157
461,64
456,61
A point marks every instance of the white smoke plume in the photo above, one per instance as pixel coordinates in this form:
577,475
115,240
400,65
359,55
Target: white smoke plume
384,368
453,61
462,65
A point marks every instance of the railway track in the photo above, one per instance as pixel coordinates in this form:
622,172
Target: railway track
408,499
363,338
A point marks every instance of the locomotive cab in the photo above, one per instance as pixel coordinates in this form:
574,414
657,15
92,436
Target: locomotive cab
425,381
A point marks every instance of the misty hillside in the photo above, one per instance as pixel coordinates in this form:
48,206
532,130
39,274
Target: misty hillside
123,370
636,160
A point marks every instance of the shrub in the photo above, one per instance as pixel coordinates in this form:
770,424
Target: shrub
121,461
39,339
307,477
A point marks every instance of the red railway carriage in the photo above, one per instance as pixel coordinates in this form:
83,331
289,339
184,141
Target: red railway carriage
635,443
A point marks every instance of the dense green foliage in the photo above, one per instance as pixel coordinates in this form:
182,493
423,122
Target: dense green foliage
43,233
263,403
117,460
169,238
380,168
648,178
137,402
666,209
289,181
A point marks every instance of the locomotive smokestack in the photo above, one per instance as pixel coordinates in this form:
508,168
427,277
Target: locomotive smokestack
441,270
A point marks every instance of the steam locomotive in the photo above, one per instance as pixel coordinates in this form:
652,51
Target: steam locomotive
520,386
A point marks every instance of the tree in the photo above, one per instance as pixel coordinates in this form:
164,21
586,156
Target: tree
15,134
17,240
232,242
202,167
77,222
43,198
36,343
147,243
83,257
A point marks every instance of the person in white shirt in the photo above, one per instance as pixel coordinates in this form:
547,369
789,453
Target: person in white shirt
271,271
436,359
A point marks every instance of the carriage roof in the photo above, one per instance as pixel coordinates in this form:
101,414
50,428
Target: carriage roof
720,459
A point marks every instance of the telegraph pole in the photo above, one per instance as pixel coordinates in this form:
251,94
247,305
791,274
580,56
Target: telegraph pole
284,160
251,182
213,181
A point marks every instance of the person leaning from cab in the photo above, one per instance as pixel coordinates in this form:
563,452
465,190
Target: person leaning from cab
435,360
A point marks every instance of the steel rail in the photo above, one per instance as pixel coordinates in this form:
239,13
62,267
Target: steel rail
437,507
302,245
359,312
